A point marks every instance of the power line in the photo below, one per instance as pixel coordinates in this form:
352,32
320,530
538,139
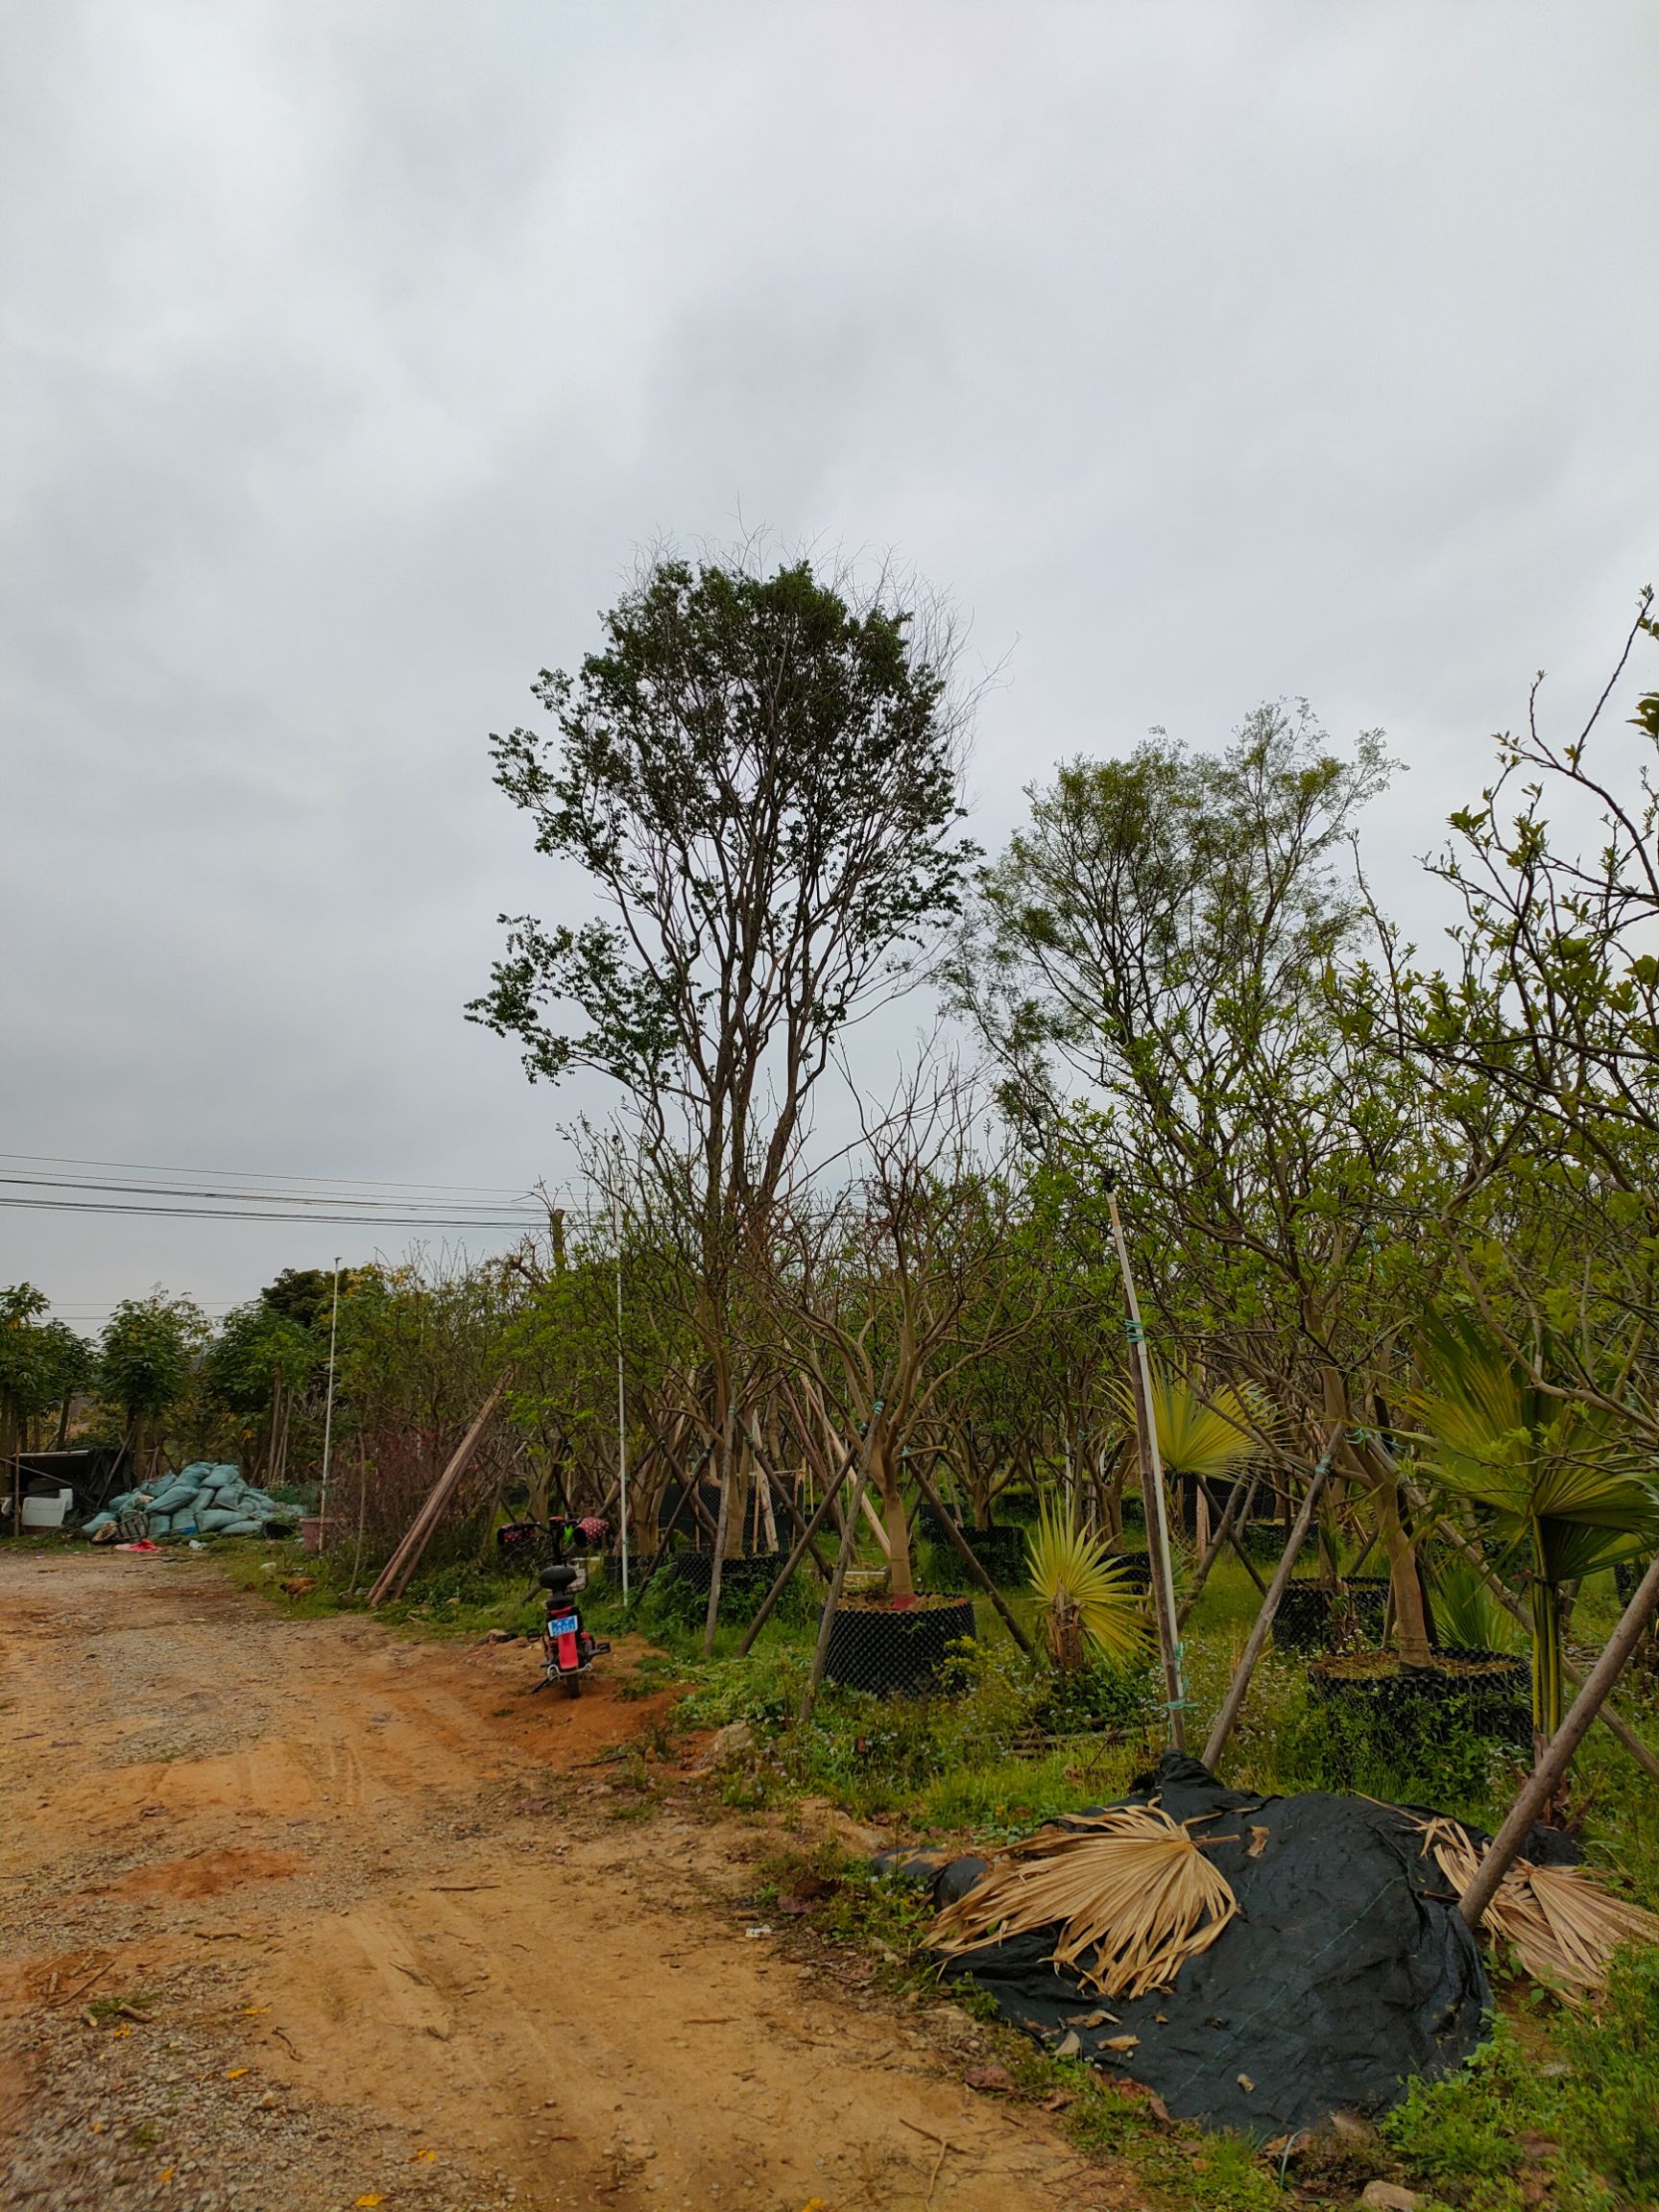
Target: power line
253,1176
246,1197
517,1223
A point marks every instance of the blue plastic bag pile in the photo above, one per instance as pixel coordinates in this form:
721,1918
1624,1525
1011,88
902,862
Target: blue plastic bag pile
202,1499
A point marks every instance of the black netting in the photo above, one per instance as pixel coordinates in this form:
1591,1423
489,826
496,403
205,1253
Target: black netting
1310,1616
1001,1551
931,1523
1137,1568
751,1575
1266,1540
901,1652
1487,1692
1346,1973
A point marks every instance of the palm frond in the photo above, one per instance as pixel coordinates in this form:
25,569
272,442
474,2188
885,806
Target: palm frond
1466,1614
1562,1926
1132,1896
1206,1433
1550,1474
1075,1578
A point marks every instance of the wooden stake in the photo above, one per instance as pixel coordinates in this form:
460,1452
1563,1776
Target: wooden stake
1231,1512
1153,1491
843,1560
1239,1687
394,1577
966,1553
1541,1786
803,1542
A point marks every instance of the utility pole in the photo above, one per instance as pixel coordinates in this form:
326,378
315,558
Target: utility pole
621,1383
328,1413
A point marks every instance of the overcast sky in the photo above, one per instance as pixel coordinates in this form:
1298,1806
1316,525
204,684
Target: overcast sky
349,351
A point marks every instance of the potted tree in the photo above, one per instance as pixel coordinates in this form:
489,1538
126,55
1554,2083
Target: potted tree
894,1289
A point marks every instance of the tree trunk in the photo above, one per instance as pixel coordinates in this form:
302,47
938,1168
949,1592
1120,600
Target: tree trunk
1544,1600
900,1579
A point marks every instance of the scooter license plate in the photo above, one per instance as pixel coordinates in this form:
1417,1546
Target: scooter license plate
567,1625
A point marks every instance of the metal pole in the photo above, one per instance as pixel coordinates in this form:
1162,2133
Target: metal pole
328,1413
621,1386
1153,1491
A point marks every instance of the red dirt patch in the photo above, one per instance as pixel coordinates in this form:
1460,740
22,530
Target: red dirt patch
201,1875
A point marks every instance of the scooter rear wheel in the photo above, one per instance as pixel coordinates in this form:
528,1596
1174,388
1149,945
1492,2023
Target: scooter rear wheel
572,1685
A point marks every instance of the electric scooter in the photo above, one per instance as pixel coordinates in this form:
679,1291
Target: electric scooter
568,1649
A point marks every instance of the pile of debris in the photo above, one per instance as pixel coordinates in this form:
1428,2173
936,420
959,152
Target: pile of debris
201,1500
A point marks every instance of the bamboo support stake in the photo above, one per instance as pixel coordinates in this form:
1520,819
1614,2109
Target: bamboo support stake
1232,1511
837,1581
1238,1688
395,1575
803,1544
1152,1490
722,1527
1541,1786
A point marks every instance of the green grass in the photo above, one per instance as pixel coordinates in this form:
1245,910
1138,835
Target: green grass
1573,2113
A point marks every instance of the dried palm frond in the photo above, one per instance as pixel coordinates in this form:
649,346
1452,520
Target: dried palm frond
1562,1926
1132,1895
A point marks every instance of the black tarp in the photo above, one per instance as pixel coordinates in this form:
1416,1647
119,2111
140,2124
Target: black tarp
1346,1971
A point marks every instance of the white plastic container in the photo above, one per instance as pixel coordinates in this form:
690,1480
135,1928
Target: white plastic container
47,1512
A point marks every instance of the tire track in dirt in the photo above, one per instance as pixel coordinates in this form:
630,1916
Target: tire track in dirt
398,1948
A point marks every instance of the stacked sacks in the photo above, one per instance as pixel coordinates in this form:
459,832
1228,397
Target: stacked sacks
202,1499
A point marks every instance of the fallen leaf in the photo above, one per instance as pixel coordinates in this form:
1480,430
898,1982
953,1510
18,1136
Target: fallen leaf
1095,2019
1057,2100
1069,2045
1120,2042
991,2078
1245,2084
249,2011
120,2031
1257,1844
165,2176
234,2072
422,2154
371,2200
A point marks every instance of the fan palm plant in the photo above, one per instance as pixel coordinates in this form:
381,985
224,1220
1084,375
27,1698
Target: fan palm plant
1553,1481
1085,1593
1205,1435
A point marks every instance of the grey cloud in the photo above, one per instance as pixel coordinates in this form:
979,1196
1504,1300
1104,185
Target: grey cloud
347,353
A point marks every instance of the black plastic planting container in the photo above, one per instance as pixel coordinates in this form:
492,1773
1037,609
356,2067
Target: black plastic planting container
893,1651
1485,1692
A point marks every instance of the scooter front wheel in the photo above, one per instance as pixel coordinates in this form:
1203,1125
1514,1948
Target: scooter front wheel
573,1685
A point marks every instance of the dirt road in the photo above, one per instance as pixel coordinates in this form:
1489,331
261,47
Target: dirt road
385,1933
